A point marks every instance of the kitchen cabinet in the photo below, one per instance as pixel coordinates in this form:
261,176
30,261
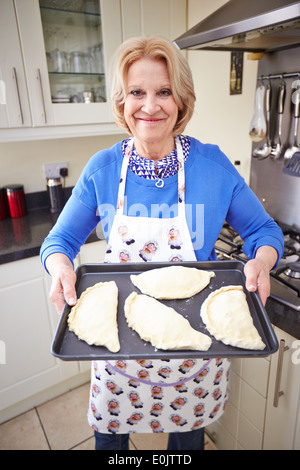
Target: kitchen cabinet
251,421
54,73
28,322
282,428
14,103
242,424
28,24
26,329
92,252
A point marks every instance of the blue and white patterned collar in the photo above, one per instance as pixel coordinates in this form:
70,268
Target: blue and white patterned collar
150,169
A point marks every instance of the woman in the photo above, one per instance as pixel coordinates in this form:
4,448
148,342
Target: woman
161,196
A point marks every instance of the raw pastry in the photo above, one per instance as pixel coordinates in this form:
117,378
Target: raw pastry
227,317
162,325
94,317
172,282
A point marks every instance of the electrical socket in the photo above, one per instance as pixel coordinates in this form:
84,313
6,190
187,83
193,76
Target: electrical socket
52,170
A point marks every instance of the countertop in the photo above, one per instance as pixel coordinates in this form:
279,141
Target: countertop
22,238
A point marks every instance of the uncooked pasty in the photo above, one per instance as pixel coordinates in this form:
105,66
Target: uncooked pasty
172,282
227,317
162,325
94,317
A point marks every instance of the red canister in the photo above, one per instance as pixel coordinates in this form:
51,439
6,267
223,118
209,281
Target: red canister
3,212
16,200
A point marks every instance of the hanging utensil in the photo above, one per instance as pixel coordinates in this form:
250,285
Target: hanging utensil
257,130
295,147
277,148
263,152
293,165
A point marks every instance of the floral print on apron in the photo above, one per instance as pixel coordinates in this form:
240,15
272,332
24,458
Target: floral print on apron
154,395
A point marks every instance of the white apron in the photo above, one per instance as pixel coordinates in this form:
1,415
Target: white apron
154,395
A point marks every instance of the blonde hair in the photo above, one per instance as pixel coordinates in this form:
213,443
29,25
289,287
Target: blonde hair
155,48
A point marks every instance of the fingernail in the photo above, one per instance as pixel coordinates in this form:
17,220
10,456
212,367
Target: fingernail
251,287
72,301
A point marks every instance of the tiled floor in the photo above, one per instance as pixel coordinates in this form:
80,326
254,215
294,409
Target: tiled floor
61,424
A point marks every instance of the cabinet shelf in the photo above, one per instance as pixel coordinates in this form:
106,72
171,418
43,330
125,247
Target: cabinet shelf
71,86
77,74
64,17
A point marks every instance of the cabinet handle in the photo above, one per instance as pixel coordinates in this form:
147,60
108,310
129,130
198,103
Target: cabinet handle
278,393
42,93
15,77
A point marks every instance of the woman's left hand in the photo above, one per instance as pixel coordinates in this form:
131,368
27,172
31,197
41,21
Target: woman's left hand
257,271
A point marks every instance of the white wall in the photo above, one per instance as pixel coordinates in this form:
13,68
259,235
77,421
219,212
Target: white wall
22,162
221,118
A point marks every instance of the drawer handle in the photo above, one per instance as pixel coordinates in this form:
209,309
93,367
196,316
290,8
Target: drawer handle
18,93
42,93
278,393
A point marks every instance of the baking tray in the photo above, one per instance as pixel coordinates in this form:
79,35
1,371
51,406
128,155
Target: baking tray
67,346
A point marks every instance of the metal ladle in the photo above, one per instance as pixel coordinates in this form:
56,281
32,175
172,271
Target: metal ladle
294,148
278,147
264,151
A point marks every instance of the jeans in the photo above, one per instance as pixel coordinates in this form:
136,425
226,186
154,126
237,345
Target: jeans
190,440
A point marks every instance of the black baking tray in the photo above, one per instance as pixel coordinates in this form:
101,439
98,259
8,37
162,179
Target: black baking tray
67,346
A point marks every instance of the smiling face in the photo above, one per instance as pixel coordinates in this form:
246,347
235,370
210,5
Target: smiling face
150,110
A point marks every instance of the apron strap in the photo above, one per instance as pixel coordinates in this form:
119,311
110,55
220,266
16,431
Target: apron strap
122,184
181,178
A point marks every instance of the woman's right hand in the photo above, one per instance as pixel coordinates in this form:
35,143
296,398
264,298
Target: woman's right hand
63,281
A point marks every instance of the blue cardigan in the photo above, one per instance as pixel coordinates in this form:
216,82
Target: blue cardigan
214,192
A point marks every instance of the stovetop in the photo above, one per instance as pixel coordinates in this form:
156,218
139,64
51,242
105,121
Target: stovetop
285,279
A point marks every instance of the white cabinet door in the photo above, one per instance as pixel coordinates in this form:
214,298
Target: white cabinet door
34,56
26,333
93,252
14,104
83,32
297,435
165,18
68,23
281,419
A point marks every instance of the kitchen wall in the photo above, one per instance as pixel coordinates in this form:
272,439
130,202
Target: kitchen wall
22,162
219,118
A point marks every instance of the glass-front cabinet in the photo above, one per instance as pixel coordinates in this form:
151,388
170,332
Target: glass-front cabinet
74,50
53,70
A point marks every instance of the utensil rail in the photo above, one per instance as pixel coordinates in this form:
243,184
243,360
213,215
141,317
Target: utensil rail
278,75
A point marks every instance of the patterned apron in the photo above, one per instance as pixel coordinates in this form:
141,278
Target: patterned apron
154,395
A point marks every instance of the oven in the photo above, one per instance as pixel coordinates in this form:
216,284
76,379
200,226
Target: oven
285,279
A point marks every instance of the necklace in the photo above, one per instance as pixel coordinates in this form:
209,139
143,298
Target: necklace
160,183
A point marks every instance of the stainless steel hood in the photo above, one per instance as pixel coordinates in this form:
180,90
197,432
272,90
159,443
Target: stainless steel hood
247,25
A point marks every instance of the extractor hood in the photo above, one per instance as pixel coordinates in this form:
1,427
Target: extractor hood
247,25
